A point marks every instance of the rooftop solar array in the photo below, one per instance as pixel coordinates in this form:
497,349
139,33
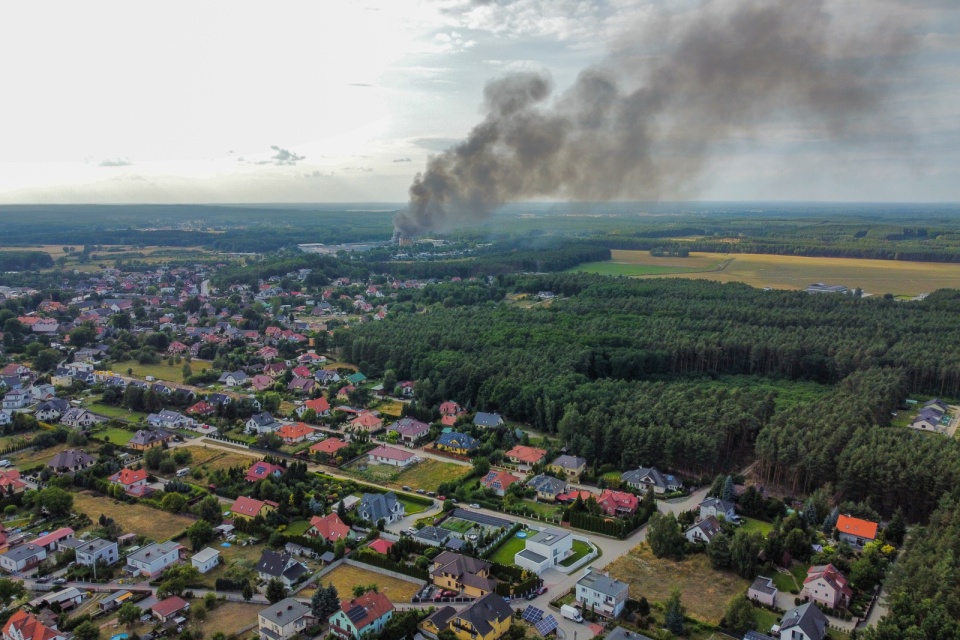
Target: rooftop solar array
356,614
532,615
480,518
547,625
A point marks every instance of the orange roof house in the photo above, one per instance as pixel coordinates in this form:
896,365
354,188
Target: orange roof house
331,528
855,531
293,433
130,478
28,627
245,507
10,482
329,446
367,422
525,455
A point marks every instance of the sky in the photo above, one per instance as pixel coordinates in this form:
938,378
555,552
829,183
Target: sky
345,100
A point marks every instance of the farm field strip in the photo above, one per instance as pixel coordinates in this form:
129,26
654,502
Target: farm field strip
133,518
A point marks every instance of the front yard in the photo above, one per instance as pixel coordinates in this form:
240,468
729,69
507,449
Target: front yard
580,549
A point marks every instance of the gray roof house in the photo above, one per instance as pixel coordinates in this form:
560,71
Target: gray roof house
281,565
377,506
805,622
547,487
72,460
646,477
487,419
717,507
601,593
262,423
434,536
619,633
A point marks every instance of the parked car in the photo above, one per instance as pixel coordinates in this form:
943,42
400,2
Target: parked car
450,594
60,581
441,498
421,491
532,595
474,505
406,488
541,590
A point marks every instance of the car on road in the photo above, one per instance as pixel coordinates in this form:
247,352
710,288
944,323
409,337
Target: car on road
450,594
421,491
406,488
441,498
43,580
474,505
60,581
541,591
532,595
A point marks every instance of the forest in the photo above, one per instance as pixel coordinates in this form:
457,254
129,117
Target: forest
624,371
24,260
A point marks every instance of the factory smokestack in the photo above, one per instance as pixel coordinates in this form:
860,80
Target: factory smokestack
645,123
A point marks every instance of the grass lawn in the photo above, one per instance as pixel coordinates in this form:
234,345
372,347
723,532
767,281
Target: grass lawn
750,525
705,591
799,572
161,371
116,436
426,474
115,412
456,524
229,617
543,509
297,527
345,577
766,619
390,408
6,441
508,550
784,582
133,518
412,507
580,549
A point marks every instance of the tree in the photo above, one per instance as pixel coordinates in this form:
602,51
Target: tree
153,457
389,380
729,493
716,489
741,616
276,590
128,614
46,360
186,371
325,602
209,509
199,611
744,551
674,612
481,466
896,530
719,551
56,501
200,533
10,589
87,631
121,321
247,591
665,537
173,502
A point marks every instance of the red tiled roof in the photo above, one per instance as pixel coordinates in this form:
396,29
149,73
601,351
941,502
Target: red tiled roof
391,453
381,545
613,500
528,455
330,528
330,445
169,606
294,431
53,536
374,604
28,626
366,420
247,506
129,476
857,527
318,404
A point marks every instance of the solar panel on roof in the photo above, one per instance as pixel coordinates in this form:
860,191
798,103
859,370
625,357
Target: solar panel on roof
547,625
356,614
532,615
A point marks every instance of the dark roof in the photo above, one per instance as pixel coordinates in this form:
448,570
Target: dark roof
146,437
432,534
374,506
457,440
649,475
278,563
763,585
619,633
547,484
487,419
262,419
569,462
808,618
285,611
70,459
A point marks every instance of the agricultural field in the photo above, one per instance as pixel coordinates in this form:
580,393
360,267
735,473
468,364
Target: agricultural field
345,577
209,459
133,518
787,272
426,474
705,591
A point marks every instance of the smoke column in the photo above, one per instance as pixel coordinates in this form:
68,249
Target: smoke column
643,125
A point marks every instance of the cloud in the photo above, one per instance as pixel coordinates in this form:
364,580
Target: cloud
318,174
284,157
115,162
436,144
359,84
358,169
403,160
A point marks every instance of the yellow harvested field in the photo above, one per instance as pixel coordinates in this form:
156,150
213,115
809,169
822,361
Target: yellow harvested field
133,518
345,578
705,592
795,272
230,618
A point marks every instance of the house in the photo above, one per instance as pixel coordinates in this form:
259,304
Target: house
302,386
17,399
330,446
356,378
499,481
459,443
488,618
262,470
261,382
410,430
547,487
262,423
524,456
281,565
284,620
26,626
294,433
331,528
205,559
219,399
407,388
763,591
168,608
367,421
148,439
463,574
5,418
570,466
39,392
703,531
70,461
826,586
544,550
931,417
233,378
618,503
856,532
343,394
361,616
11,483
169,420
600,593
645,478
202,409
450,408
326,377
433,536
244,507
152,559
380,545
89,553
716,507
23,557
80,418
321,406
619,633
392,456
805,622
51,410
488,420
380,506
51,541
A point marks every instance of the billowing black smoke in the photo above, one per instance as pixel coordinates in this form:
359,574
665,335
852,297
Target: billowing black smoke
643,125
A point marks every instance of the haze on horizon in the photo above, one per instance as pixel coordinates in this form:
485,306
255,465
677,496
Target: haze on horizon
109,102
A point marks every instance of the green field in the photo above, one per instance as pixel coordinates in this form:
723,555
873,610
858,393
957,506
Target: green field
297,528
427,474
505,553
116,412
118,437
412,507
787,272
456,524
162,371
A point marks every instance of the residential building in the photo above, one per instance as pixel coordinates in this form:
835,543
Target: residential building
23,557
619,633
89,552
261,470
618,503
26,626
763,591
262,423
356,618
488,420
602,594
570,466
330,446
805,622
826,586
244,507
392,456
17,399
233,378
205,559
544,550
11,483
524,456
169,608
281,565
410,430
703,531
547,487
450,408
283,620
459,443
856,532
380,506
330,527
488,618
433,536
463,574
51,410
152,559
499,481
114,600
149,438
70,461
645,478
132,481
321,406
51,541
367,421
78,418
294,433
717,507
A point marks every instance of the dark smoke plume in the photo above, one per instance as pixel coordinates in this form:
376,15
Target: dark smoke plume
643,125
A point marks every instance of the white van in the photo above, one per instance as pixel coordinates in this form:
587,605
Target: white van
182,473
4,464
571,613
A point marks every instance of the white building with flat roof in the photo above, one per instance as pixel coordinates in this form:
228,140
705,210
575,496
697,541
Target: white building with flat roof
545,550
